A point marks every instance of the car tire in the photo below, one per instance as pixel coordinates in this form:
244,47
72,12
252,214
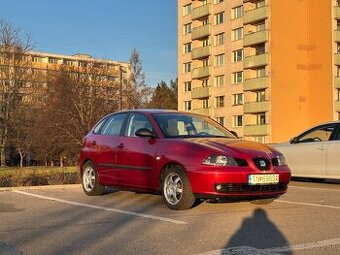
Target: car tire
176,189
90,181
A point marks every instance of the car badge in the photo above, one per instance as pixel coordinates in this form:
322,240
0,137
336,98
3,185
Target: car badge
263,163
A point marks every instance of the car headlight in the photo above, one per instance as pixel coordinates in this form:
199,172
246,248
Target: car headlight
219,160
281,160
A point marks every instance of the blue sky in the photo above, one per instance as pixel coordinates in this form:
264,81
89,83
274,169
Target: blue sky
107,29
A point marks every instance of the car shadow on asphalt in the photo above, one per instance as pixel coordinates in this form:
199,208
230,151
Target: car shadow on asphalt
258,235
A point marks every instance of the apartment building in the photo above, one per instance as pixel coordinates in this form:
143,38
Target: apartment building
33,69
267,69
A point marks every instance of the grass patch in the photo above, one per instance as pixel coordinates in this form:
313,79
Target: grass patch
37,176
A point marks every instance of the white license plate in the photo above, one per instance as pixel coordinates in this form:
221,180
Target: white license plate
254,179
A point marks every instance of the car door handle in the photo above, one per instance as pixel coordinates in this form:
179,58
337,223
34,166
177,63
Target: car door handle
120,146
93,143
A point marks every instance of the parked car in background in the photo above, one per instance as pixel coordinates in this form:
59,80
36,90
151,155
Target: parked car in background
180,155
315,153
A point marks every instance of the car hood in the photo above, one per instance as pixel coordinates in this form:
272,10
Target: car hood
235,146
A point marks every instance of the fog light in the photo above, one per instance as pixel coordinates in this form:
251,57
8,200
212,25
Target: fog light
219,187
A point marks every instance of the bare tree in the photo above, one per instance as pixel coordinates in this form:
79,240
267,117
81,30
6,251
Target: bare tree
137,93
13,72
77,97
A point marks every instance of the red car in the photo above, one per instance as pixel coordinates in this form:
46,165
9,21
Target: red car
181,155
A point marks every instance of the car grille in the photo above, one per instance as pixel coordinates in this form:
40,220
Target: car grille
262,164
245,188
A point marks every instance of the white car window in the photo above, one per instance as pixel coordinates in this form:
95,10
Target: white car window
322,134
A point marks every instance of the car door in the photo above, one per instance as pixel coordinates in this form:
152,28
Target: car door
333,158
105,146
307,154
136,155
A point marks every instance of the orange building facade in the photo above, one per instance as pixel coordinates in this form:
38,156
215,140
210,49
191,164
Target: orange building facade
267,69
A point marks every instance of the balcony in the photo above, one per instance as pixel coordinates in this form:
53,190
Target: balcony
256,60
201,52
201,11
256,38
256,130
336,35
337,82
255,107
200,92
256,83
337,106
337,59
203,111
199,32
256,15
336,12
201,72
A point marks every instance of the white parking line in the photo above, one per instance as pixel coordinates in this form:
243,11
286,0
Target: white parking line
299,187
308,204
246,250
103,208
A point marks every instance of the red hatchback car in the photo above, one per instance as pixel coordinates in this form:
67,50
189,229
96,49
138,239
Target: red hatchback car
181,155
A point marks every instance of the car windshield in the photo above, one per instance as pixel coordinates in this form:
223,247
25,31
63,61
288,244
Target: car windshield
189,125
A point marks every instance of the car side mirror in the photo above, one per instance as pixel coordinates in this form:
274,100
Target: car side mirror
144,132
234,133
294,140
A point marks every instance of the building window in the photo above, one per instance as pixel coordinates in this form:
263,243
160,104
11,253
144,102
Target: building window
205,42
261,72
219,81
237,120
238,99
220,120
205,83
261,118
219,60
260,49
187,48
37,59
187,67
260,3
237,55
260,139
237,77
205,22
237,34
187,86
219,18
187,105
205,62
187,9
52,60
187,29
218,1
237,12
205,103
260,95
219,39
260,26
219,101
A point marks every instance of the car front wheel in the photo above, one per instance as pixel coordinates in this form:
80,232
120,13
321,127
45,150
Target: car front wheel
90,180
176,189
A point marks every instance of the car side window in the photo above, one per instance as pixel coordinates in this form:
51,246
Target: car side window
136,122
321,134
113,125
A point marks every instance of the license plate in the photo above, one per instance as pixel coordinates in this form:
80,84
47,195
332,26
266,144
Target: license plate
254,179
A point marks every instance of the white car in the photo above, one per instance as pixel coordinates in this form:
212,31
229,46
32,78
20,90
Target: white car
315,153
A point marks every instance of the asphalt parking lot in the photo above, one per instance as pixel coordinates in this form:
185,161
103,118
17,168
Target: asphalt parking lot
62,220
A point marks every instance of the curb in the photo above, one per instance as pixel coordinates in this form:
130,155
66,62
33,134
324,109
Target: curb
63,186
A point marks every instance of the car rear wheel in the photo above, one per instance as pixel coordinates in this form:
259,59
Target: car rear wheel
176,189
90,180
